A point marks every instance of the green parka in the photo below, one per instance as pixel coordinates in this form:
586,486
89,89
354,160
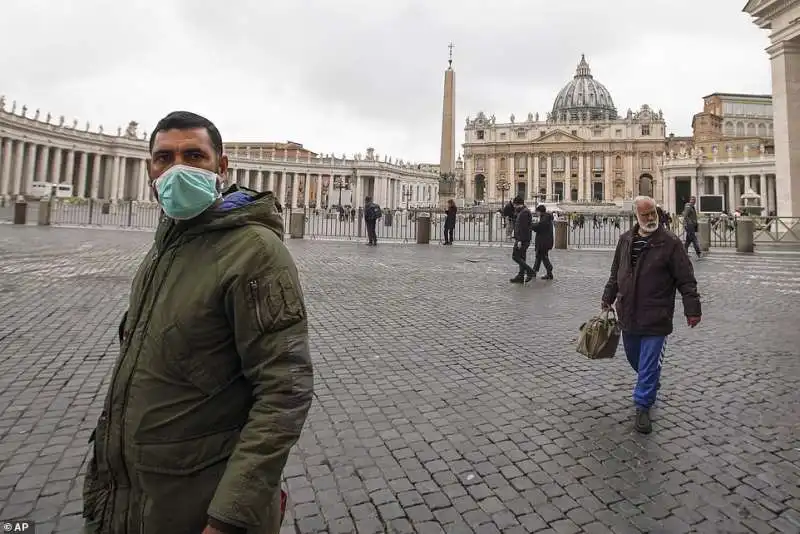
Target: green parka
213,382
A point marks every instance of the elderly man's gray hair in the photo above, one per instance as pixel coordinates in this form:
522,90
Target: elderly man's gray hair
641,199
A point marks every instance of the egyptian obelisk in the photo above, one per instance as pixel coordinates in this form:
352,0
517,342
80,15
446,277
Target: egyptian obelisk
447,160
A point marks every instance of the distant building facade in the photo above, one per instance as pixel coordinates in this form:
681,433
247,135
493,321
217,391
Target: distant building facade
731,152
582,152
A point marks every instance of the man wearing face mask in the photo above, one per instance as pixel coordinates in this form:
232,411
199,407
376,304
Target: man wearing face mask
214,378
650,265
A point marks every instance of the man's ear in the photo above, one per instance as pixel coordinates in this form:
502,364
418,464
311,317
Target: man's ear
223,166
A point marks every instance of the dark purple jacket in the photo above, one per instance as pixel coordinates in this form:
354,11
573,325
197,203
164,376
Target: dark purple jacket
645,295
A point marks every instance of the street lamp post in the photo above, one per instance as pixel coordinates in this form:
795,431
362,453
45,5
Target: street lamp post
407,194
338,183
503,186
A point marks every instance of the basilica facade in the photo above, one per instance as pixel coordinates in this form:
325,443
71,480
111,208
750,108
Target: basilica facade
583,151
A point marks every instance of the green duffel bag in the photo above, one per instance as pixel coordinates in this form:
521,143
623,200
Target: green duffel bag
599,336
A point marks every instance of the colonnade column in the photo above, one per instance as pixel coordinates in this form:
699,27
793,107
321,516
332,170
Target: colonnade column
58,178
549,184
30,166
581,178
43,164
95,183
5,171
83,167
69,173
141,192
762,190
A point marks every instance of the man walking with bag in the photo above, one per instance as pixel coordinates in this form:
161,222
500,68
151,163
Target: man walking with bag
650,265
543,242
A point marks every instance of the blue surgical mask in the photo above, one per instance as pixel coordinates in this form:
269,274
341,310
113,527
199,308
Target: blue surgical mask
185,192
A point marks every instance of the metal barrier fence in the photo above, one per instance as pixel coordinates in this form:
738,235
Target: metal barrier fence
585,230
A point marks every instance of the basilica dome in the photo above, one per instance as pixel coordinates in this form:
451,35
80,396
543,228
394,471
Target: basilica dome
583,98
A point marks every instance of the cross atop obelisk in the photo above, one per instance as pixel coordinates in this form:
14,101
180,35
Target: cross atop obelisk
450,61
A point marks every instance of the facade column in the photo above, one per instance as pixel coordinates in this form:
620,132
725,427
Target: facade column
536,172
295,190
762,190
716,185
83,165
491,183
581,178
30,166
58,176
785,59
16,176
306,189
693,180
270,180
112,193
529,187
608,172
141,182
122,187
549,183
282,188
43,164
94,186
729,202
69,173
5,170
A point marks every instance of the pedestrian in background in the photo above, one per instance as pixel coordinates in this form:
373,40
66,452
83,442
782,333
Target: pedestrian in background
450,222
522,240
543,243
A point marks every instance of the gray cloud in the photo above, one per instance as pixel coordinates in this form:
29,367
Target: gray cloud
339,76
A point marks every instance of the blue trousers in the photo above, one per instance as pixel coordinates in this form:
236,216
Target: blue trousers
645,354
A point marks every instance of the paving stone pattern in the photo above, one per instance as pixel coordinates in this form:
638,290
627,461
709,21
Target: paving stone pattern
446,400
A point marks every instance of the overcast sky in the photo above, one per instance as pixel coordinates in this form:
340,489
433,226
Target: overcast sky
341,75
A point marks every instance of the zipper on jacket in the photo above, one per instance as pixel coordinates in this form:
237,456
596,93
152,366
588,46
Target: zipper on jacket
255,294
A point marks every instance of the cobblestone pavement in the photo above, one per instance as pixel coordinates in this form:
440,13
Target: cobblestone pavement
446,400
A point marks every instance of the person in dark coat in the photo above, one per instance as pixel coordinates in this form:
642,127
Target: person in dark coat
522,240
543,243
450,222
650,266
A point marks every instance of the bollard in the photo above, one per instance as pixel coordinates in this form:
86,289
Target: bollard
704,234
20,211
297,224
44,212
744,234
561,235
423,228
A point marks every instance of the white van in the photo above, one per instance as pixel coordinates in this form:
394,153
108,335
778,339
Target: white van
45,189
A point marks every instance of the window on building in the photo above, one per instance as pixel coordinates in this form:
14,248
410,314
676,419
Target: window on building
502,164
645,129
644,162
574,163
598,161
618,162
480,164
574,132
558,163
597,132
740,129
558,190
520,134
502,135
618,132
730,129
479,134
522,162
541,133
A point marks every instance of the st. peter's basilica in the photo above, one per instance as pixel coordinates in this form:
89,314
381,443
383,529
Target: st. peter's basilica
582,151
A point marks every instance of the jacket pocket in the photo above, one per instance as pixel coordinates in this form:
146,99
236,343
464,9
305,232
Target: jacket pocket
204,358
96,491
275,301
178,481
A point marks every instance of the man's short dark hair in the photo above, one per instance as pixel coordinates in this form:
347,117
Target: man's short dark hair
186,120
541,208
368,199
518,199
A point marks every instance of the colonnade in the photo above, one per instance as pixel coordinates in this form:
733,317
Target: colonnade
731,186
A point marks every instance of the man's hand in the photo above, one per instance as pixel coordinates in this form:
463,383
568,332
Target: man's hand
692,321
518,244
211,530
